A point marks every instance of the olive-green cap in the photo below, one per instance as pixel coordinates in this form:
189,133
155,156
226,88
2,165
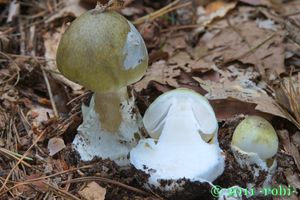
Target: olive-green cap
102,51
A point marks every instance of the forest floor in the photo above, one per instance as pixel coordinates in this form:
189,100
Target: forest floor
244,56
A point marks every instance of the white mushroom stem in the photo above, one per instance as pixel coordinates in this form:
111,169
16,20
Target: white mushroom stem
107,105
93,140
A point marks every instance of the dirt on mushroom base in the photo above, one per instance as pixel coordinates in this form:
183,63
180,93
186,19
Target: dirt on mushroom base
25,49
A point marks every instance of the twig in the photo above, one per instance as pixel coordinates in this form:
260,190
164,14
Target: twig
180,27
50,93
62,192
22,158
17,66
83,179
29,181
11,193
78,97
161,12
15,156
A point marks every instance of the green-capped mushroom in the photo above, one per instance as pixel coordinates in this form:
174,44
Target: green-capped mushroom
104,52
255,134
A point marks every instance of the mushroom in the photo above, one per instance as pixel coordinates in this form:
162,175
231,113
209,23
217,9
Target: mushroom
184,142
255,143
104,52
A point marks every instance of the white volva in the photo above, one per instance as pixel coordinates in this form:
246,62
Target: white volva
180,120
92,140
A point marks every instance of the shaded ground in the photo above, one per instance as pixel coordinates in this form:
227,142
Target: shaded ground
243,55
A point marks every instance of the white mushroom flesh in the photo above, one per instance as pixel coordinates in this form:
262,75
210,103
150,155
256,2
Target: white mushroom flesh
180,151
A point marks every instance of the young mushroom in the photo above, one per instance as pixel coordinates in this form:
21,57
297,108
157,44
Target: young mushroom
104,52
184,143
255,143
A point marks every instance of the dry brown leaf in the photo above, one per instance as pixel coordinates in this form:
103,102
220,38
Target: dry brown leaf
166,72
216,9
174,43
292,178
71,7
237,83
51,41
31,189
55,145
93,191
160,72
232,44
289,147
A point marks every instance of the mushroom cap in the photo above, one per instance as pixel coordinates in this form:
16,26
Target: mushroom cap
155,115
257,135
102,51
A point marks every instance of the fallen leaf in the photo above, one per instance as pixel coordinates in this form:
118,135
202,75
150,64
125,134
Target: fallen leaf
174,43
30,190
216,9
55,145
39,185
160,72
292,178
250,45
238,84
289,147
166,72
183,61
71,7
290,9
93,191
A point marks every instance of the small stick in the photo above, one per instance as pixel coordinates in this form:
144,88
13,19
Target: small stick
62,192
29,181
16,65
156,14
106,180
16,156
50,93
21,159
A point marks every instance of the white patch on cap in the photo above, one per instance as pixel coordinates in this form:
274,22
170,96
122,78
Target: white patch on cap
134,49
